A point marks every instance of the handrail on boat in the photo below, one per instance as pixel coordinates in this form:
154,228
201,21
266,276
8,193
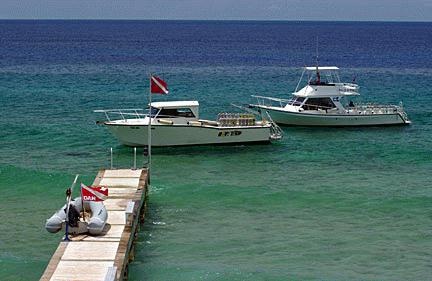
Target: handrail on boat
121,112
123,109
262,100
375,106
275,131
272,99
358,108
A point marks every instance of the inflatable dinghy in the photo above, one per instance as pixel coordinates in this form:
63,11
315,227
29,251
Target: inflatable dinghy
94,226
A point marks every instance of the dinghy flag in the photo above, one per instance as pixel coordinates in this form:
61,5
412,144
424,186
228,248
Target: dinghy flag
158,86
93,193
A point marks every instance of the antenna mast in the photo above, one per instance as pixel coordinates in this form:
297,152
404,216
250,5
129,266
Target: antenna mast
318,78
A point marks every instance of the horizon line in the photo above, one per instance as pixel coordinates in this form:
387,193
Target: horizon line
211,20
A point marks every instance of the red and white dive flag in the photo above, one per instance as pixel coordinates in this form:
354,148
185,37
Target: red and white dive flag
93,193
158,86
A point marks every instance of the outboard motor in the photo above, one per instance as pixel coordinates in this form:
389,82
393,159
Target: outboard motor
74,216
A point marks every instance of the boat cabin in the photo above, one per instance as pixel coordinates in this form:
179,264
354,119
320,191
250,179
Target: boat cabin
175,109
323,90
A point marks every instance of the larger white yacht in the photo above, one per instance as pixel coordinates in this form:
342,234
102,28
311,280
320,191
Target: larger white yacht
320,103
176,123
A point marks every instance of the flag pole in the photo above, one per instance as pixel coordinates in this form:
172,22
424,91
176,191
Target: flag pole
82,203
69,192
149,132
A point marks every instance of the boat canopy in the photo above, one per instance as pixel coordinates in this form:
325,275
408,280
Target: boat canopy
174,104
336,90
187,109
313,68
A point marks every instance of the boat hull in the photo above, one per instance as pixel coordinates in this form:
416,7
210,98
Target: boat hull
183,135
334,120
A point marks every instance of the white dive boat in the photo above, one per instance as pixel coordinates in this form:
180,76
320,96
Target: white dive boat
176,123
319,103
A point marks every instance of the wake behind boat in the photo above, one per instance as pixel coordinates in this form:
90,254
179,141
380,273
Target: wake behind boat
177,123
319,103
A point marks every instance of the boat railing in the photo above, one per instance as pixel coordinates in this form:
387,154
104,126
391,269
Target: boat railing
349,85
269,101
236,119
376,108
123,113
402,112
248,119
350,88
275,131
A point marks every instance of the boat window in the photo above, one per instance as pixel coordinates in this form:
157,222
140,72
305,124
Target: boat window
323,78
154,111
318,103
298,101
176,112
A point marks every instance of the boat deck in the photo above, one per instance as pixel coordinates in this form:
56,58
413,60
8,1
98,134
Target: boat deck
105,257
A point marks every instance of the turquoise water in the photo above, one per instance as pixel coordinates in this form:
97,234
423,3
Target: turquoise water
324,203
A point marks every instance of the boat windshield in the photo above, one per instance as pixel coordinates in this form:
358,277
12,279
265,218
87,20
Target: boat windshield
297,101
325,78
176,112
318,103
153,112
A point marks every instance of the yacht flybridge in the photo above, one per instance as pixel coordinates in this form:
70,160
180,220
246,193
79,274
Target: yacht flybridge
176,123
319,103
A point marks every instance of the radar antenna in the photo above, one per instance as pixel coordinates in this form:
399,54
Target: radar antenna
318,77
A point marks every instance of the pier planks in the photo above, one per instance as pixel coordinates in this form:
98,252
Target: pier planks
90,257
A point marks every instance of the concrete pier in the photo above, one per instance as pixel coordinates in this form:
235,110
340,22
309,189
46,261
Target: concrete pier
105,257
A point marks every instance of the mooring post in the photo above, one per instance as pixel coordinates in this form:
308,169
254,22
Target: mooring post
134,166
111,154
145,157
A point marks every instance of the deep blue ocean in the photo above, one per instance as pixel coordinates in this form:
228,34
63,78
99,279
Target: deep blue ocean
322,204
